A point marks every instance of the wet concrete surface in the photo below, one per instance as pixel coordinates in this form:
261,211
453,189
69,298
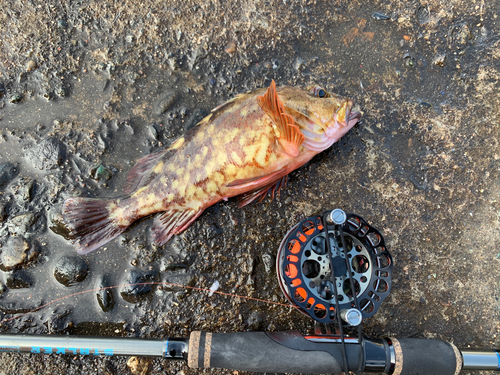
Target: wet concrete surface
88,88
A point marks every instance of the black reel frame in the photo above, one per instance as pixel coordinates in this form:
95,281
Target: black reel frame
336,269
320,263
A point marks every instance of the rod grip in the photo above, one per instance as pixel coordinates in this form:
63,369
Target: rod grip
424,356
258,352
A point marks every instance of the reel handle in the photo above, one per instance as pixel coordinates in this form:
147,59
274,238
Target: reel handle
290,352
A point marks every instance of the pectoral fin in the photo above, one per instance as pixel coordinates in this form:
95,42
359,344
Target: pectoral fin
287,133
259,194
254,181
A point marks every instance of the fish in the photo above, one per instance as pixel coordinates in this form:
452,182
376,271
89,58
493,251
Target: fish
244,148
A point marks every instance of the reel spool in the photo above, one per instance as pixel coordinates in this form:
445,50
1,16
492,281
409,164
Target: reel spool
314,275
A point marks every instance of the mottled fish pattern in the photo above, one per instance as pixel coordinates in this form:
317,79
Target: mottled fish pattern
245,147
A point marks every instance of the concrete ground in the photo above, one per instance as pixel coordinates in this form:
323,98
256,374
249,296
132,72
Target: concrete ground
87,88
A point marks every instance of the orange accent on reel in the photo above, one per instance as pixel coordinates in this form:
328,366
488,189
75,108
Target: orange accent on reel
308,228
294,246
300,294
320,224
310,302
301,236
296,282
320,311
292,258
291,271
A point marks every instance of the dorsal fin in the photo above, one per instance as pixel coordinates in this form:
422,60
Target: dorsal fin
142,172
288,134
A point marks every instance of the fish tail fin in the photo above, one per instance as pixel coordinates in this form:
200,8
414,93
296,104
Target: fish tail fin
92,222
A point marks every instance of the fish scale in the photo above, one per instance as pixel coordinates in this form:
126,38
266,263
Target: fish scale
245,147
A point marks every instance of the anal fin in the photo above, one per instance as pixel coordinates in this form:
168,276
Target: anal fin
288,134
172,222
259,194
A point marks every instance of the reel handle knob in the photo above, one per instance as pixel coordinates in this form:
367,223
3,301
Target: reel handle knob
338,216
353,317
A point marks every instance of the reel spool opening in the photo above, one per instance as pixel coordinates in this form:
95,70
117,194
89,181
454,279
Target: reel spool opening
314,269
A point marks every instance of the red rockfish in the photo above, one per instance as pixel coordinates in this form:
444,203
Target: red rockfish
246,147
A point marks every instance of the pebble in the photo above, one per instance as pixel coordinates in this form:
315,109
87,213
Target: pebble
17,280
133,292
62,24
16,253
27,223
8,172
153,131
3,212
31,65
440,60
24,189
298,64
408,60
47,155
423,15
16,98
102,173
105,297
255,321
380,17
269,262
70,270
28,190
231,47
61,91
139,365
57,224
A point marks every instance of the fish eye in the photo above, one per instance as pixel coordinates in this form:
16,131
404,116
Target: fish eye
318,92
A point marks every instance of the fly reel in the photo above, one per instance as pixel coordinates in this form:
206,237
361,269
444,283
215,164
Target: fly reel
335,267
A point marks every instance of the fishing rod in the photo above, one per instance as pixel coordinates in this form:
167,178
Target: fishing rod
334,268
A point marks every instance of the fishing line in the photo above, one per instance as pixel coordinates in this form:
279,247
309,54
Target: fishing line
139,284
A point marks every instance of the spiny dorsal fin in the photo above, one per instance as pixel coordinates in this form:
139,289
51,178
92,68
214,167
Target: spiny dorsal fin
288,134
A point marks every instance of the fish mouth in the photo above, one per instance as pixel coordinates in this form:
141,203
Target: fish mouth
318,135
352,117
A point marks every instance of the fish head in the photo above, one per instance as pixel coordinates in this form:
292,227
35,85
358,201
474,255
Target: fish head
323,117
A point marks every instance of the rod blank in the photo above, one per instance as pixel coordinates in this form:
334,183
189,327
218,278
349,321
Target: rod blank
169,348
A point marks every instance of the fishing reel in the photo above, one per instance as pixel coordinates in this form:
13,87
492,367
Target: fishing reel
335,268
